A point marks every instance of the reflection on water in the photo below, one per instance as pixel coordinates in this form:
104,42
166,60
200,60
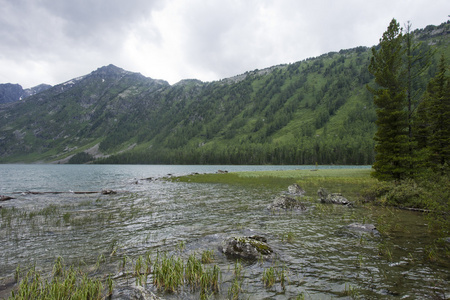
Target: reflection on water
321,258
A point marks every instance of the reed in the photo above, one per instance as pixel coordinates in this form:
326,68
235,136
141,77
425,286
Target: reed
171,273
236,286
207,256
269,277
66,283
288,237
273,275
168,273
194,270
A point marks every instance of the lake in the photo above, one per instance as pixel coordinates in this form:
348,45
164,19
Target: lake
320,258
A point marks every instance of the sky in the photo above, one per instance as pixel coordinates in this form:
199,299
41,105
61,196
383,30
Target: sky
53,41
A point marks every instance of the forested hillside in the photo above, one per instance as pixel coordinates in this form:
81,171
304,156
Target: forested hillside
313,111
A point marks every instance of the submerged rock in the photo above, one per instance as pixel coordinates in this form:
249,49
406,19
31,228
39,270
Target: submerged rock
295,189
369,228
286,202
332,198
134,293
247,247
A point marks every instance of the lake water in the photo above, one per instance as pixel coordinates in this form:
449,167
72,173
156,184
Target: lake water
321,259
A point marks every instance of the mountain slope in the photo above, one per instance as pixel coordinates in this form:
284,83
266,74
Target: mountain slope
14,92
316,110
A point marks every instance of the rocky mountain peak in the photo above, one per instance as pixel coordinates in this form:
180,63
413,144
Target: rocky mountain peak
14,92
110,70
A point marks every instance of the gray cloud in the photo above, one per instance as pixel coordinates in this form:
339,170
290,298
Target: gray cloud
53,41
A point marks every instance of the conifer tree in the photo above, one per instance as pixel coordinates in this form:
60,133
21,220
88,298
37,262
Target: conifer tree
434,119
392,159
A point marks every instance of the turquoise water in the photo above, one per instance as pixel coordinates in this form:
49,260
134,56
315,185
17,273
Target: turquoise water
322,260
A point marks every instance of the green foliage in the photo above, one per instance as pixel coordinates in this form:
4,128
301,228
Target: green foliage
392,142
66,283
434,121
428,192
81,158
350,181
312,111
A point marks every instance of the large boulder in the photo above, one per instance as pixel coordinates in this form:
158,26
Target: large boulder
332,198
246,247
295,189
286,202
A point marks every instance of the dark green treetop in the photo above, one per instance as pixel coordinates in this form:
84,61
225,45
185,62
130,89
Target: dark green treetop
392,161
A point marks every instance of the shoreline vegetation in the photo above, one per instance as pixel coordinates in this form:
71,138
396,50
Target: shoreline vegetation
351,180
428,194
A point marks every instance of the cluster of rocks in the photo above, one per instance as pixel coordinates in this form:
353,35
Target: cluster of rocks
287,201
332,198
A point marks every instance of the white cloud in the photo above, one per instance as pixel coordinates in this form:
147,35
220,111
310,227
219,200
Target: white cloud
54,41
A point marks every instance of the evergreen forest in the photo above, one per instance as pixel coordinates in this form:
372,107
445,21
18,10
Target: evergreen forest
315,111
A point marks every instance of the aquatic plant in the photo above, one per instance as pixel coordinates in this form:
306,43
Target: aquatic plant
66,283
288,237
269,277
181,245
235,289
236,286
207,256
351,291
275,274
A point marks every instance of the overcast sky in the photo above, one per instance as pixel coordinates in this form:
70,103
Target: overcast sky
52,41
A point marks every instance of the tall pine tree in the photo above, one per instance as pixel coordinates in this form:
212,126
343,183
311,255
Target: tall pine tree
392,159
434,120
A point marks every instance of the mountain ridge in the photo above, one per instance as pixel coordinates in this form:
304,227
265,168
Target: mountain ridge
312,111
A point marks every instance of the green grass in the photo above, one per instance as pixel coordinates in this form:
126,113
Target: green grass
350,181
66,283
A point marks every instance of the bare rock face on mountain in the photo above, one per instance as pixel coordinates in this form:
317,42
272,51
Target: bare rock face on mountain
14,92
10,92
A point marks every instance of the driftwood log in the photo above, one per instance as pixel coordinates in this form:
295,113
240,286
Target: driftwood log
104,192
5,198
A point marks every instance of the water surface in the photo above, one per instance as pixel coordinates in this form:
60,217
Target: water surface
321,258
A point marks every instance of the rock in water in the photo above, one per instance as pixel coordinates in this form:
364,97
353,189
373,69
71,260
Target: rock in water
246,247
332,198
134,293
295,189
286,202
370,228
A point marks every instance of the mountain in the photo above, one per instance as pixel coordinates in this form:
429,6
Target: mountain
313,111
14,92
34,90
10,92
